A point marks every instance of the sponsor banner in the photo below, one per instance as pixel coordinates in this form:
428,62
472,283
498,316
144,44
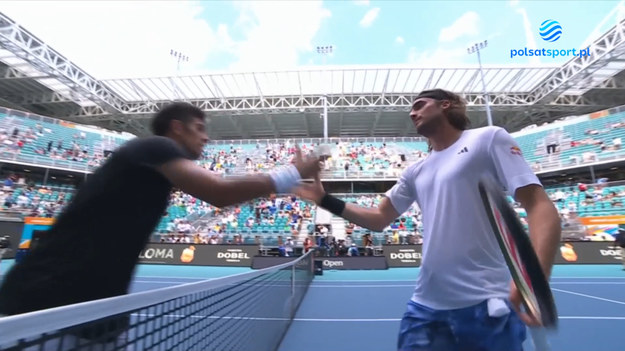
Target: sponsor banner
594,252
328,263
402,255
602,220
353,263
199,255
67,124
599,114
39,220
586,252
32,225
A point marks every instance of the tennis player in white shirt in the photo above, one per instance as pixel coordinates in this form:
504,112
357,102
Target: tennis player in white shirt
464,298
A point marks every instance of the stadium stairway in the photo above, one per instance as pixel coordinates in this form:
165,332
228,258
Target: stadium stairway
205,222
303,232
338,228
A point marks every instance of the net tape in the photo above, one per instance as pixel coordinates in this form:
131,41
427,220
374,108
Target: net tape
248,311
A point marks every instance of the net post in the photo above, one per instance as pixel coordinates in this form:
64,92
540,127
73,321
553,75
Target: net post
293,305
292,280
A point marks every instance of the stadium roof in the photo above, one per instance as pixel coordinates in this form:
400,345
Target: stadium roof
336,81
360,101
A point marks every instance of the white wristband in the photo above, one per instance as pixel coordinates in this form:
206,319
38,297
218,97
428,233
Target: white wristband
285,179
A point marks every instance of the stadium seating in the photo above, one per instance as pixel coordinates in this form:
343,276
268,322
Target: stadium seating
587,140
36,200
579,142
408,222
582,142
559,144
283,216
28,139
595,201
182,206
346,158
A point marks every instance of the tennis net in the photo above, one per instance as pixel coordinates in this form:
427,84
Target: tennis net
251,311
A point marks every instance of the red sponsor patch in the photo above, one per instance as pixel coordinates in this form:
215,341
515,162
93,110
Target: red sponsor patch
515,150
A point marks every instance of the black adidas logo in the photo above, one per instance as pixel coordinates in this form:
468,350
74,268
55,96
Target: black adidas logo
464,149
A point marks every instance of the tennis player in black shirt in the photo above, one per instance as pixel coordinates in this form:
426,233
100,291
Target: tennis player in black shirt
92,249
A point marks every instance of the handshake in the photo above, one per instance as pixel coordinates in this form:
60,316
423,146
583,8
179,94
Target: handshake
288,180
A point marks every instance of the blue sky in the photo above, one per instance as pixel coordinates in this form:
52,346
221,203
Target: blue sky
420,23
131,39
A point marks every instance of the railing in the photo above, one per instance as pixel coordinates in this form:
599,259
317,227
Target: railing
36,117
606,184
597,159
320,140
337,174
40,161
545,166
12,215
28,115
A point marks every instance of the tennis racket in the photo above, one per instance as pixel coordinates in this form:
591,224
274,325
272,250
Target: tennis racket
520,257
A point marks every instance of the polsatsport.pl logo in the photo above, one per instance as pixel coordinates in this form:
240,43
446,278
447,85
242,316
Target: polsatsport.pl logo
550,31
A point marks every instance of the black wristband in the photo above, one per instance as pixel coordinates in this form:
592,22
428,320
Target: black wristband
332,204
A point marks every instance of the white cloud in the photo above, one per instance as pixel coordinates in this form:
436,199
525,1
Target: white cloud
276,33
113,39
513,3
399,40
369,17
465,25
447,55
120,39
361,2
441,57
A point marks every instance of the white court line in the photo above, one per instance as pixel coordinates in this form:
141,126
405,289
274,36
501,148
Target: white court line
623,277
341,320
587,283
590,296
379,285
159,282
362,286
413,285
367,281
169,277
415,279
595,318
399,319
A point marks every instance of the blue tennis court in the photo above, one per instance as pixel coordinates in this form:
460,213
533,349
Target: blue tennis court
360,310
346,310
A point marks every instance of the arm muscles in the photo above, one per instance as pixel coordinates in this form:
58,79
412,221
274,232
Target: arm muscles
200,183
375,219
544,224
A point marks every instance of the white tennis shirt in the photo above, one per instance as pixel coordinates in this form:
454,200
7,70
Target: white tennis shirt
462,264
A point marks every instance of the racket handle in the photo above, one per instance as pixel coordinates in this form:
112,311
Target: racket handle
539,339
